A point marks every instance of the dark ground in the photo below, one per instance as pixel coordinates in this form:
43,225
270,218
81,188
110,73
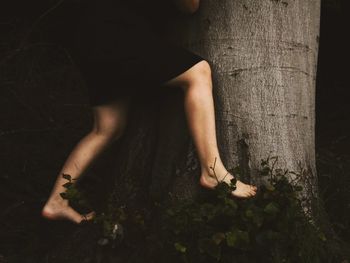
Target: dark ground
44,112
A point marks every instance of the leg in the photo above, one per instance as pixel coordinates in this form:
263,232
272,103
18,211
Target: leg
109,123
199,106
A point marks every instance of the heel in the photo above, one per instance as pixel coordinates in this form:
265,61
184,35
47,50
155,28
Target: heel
204,184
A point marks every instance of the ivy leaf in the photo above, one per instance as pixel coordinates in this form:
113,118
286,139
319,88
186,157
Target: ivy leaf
270,187
265,171
273,235
102,241
231,203
231,238
233,181
271,208
179,247
264,162
170,212
218,237
249,213
298,188
258,219
64,195
82,202
67,176
244,237
67,185
237,238
322,236
209,247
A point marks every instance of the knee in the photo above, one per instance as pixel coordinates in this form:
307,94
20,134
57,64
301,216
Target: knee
200,72
109,132
203,67
200,76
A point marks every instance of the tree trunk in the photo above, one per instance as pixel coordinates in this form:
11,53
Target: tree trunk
264,58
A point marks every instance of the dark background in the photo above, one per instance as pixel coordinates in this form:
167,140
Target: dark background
44,111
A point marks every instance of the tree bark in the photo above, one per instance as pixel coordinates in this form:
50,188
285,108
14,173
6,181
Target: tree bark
263,56
264,59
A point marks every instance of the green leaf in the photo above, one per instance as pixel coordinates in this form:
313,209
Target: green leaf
298,188
233,181
73,192
170,212
208,246
179,247
82,202
244,236
271,208
273,235
322,236
67,185
265,171
231,238
231,203
263,162
64,195
249,213
67,176
270,187
218,237
258,219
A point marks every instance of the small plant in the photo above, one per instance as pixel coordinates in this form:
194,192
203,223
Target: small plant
221,186
269,227
215,227
111,221
75,197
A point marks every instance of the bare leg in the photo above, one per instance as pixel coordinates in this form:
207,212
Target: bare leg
199,106
109,123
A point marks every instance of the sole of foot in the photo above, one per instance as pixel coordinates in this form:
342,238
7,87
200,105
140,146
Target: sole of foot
243,191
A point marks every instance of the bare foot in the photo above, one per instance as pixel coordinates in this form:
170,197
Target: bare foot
242,190
59,209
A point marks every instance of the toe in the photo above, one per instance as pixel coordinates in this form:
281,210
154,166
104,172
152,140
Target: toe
252,192
89,216
47,213
253,187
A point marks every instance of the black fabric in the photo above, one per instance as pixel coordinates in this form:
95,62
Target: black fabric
119,47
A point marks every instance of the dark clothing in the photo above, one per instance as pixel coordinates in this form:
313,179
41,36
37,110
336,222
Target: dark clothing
118,46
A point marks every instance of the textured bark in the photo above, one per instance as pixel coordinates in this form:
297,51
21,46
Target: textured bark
264,58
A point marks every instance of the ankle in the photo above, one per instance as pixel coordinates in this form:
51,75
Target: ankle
57,199
210,170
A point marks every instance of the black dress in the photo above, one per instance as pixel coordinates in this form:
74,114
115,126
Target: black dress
119,48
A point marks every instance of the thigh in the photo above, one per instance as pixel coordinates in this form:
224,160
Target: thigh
196,72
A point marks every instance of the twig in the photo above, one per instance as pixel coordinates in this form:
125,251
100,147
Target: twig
213,168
